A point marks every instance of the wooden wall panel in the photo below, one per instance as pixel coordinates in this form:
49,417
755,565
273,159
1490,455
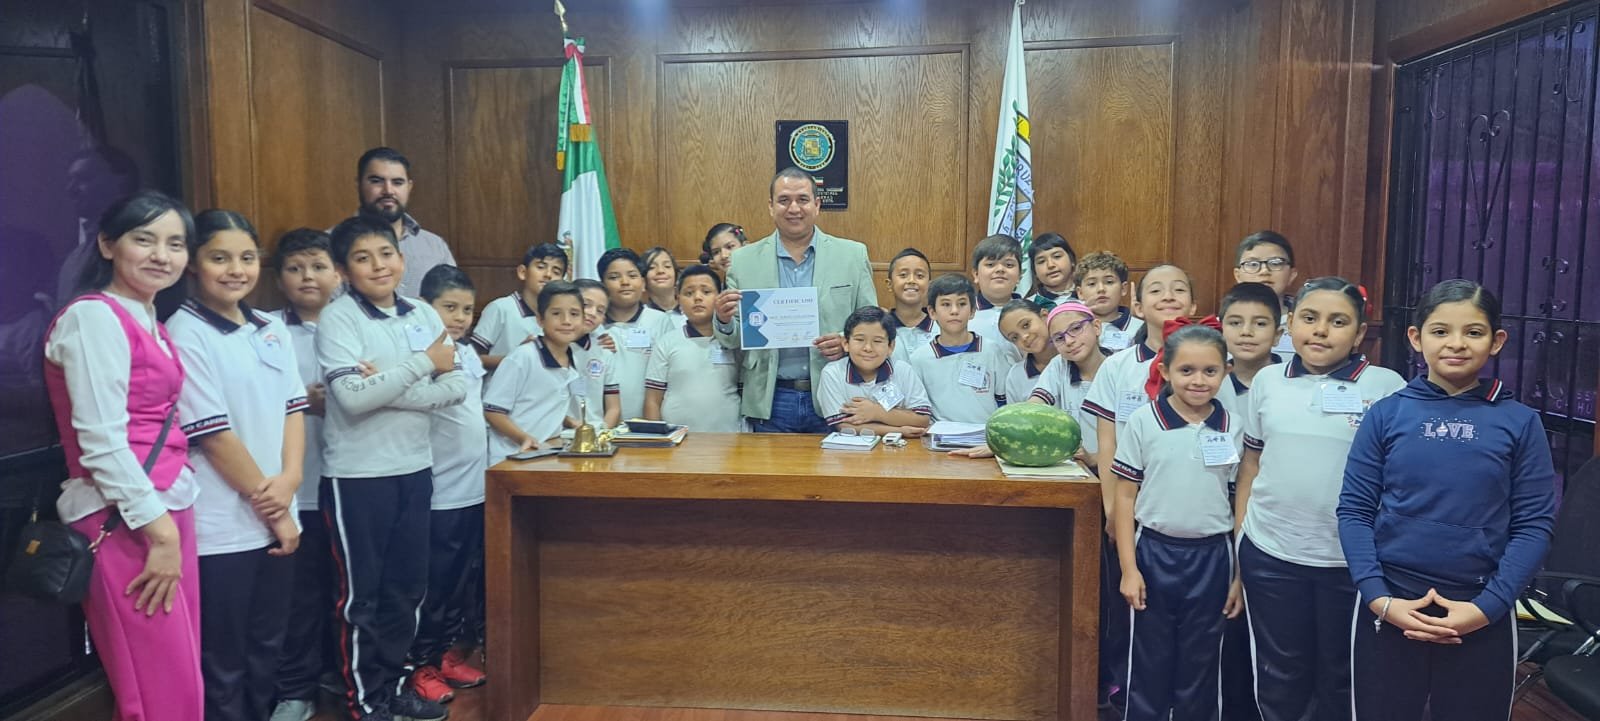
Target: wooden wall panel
317,102
1105,195
293,92
504,195
907,113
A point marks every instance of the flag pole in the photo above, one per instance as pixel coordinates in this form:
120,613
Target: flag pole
561,14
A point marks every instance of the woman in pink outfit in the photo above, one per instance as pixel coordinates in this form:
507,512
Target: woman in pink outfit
113,378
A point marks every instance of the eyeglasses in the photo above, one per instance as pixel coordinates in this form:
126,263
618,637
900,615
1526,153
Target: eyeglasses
853,431
1271,264
1071,331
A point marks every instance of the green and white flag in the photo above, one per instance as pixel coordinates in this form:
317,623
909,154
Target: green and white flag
587,227
1011,186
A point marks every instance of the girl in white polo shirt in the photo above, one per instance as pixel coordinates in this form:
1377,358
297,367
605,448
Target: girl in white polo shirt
692,380
1175,458
241,407
1022,324
377,472
1165,293
596,355
1299,422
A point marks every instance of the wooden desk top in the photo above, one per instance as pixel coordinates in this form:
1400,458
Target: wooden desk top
786,467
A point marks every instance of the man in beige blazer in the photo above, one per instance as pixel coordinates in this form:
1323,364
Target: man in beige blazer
778,383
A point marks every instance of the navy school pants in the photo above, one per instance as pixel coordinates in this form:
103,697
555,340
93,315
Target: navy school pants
1396,677
380,541
1176,641
244,613
1300,636
455,553
309,647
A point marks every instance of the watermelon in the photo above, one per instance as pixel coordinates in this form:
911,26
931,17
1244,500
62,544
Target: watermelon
1033,434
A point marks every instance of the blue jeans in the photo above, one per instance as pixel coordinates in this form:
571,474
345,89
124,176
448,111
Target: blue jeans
792,412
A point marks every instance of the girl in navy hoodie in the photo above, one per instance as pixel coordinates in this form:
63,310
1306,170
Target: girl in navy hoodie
1446,514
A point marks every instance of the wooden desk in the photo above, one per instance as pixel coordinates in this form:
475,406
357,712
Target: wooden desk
760,572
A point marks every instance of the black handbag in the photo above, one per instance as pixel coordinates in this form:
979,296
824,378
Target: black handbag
52,562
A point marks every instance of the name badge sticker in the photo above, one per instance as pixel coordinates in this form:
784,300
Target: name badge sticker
1217,449
1341,397
720,356
888,396
1114,339
1129,402
638,339
269,349
973,375
418,337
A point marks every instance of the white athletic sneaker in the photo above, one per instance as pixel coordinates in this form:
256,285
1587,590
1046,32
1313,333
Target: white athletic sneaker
293,709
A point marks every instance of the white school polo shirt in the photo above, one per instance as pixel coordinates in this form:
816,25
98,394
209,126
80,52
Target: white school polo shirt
1119,384
1290,515
460,440
1118,334
598,367
940,370
533,389
908,338
1021,379
892,387
635,338
1061,385
700,378
504,324
378,426
240,378
303,336
1180,494
986,322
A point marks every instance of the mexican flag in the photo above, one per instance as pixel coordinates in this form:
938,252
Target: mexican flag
1011,186
587,227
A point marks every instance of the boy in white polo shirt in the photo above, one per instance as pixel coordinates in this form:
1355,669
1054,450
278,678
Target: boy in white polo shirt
308,280
962,370
460,441
909,274
377,477
532,394
1102,283
508,321
632,324
693,380
996,270
863,391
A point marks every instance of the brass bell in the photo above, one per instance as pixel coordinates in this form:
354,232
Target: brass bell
584,439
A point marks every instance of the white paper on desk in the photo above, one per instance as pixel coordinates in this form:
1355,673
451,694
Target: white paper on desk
778,318
952,428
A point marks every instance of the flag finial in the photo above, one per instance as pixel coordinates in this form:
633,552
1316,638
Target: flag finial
561,14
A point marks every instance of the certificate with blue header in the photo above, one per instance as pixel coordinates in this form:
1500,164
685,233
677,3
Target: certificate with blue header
778,318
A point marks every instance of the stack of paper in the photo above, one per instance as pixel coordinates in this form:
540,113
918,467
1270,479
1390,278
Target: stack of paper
949,434
842,442
1067,470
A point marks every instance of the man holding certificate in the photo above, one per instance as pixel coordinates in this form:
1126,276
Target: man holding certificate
779,288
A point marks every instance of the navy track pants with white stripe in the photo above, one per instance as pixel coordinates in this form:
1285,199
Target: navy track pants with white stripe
1396,677
379,529
1176,646
1300,636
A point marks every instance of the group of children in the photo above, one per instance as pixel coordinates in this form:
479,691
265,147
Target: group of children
1253,491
